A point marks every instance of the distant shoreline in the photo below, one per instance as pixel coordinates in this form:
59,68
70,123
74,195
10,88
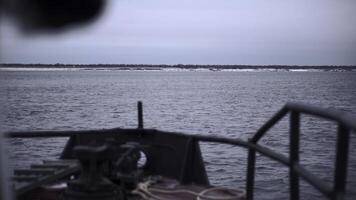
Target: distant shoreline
181,66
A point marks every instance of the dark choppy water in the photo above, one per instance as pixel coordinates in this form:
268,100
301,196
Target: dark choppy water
232,104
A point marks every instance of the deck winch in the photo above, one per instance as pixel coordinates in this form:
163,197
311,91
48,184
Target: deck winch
91,184
107,171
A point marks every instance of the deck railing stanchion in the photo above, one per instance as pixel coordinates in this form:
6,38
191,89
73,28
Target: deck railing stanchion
294,154
250,178
139,114
342,147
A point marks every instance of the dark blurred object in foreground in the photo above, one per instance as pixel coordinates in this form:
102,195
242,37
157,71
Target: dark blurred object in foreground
52,15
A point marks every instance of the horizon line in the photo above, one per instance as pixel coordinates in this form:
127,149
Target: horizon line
177,65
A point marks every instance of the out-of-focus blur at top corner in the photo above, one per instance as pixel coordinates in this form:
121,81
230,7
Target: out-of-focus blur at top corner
51,16
43,16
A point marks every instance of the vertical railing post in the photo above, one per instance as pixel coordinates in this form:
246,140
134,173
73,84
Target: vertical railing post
139,115
342,147
250,173
294,154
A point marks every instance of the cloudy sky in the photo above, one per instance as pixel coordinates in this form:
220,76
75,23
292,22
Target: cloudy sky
302,32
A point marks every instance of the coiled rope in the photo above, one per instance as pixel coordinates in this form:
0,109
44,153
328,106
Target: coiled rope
143,189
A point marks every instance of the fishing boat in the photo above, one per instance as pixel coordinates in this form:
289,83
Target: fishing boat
140,163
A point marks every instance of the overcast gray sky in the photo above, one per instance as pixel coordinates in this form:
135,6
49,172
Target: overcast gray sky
311,32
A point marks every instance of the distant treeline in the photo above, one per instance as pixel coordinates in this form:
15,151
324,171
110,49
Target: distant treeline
182,66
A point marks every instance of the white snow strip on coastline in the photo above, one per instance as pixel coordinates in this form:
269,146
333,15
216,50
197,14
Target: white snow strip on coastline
38,69
166,69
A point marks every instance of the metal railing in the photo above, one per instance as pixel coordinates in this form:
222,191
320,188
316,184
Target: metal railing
346,124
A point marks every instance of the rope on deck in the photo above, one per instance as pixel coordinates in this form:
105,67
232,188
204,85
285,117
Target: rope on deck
143,189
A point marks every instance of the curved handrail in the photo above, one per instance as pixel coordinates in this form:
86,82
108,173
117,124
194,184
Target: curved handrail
269,124
331,114
327,113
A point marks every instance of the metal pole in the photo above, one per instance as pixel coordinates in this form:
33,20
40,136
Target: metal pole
294,155
139,115
250,173
340,174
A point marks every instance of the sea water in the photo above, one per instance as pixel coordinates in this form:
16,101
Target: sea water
224,103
